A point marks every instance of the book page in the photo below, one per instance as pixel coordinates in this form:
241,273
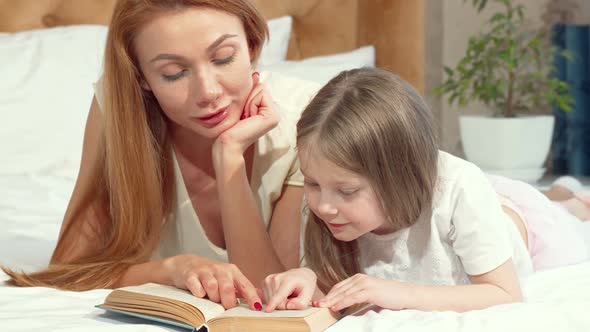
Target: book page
244,311
208,308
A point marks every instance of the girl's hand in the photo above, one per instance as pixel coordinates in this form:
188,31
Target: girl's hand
290,290
363,289
220,282
258,117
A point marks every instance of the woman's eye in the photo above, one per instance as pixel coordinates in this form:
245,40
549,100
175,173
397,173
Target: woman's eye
310,184
176,76
224,61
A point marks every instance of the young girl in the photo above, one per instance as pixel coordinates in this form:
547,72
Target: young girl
394,222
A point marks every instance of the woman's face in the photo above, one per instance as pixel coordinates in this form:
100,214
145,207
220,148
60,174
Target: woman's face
197,64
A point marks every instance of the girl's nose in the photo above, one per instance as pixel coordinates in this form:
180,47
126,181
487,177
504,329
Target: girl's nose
326,208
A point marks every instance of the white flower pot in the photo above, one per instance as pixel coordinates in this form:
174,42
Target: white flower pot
515,147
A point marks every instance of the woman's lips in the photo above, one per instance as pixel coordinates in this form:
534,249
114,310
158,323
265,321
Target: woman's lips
337,225
215,118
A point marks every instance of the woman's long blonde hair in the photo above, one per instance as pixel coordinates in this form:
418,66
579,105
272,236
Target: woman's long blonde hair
370,122
132,188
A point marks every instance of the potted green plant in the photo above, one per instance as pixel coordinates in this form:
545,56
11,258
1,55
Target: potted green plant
508,67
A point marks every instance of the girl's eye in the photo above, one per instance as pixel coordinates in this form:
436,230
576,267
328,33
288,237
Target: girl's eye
310,184
224,61
176,76
348,192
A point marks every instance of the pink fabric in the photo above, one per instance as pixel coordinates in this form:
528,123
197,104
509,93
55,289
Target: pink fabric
584,196
553,238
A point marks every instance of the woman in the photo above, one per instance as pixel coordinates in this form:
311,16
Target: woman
179,134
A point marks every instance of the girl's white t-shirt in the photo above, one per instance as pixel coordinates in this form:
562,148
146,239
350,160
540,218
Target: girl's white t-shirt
467,234
275,165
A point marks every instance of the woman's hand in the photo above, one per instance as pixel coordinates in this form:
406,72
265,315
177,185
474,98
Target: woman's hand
258,117
364,289
220,282
291,290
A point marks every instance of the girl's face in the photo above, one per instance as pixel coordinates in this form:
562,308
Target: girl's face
343,200
197,64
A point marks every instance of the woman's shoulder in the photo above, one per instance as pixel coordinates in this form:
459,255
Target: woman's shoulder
98,86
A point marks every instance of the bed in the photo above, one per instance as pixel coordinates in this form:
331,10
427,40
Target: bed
50,52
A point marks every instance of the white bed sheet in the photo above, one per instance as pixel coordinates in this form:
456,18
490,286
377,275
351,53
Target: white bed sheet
558,300
31,210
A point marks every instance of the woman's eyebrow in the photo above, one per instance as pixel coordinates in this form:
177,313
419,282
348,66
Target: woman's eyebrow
210,48
168,56
218,41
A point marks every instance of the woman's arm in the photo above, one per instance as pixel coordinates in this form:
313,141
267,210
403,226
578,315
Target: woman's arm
249,245
285,226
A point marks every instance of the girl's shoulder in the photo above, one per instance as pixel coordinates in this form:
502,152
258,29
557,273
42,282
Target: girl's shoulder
458,178
452,169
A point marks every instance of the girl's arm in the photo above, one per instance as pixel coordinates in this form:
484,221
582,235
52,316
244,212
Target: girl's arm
498,286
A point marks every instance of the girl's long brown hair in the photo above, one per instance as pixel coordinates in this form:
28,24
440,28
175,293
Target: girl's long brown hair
370,122
132,189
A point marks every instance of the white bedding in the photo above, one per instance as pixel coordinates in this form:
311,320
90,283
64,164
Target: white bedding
559,300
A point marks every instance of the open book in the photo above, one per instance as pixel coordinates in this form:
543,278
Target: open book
169,305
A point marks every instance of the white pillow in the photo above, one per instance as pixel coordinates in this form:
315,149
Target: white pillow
288,91
275,49
322,68
46,93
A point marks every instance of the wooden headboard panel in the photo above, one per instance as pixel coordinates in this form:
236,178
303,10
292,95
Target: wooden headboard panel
395,27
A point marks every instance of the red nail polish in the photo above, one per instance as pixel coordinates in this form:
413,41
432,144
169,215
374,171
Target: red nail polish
258,306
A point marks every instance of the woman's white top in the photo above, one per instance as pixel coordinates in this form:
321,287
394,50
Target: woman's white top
275,165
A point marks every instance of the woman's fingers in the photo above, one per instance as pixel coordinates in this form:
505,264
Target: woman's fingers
210,284
247,290
256,102
193,284
247,112
255,78
227,291
220,282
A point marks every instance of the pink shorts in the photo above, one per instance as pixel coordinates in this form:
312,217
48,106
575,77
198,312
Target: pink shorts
554,235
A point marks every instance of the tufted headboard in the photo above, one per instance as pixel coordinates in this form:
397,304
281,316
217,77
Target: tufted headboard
394,27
